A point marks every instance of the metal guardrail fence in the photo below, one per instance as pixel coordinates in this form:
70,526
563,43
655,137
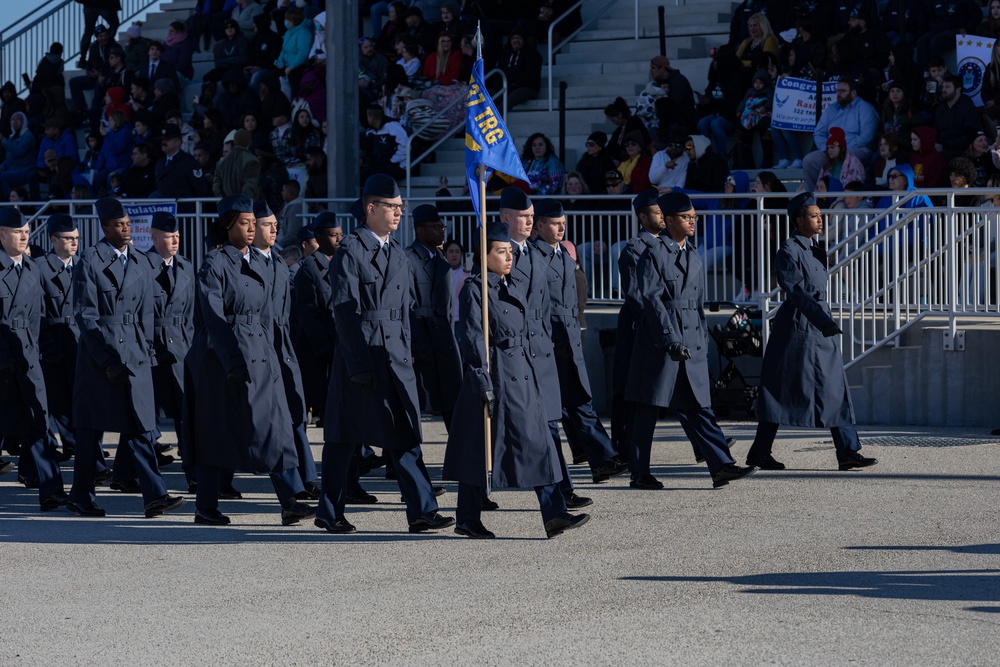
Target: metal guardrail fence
890,267
25,42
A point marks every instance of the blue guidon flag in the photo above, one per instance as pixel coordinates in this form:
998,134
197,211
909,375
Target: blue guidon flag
487,141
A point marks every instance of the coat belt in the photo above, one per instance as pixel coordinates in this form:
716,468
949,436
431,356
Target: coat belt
507,343
682,304
820,296
124,318
393,314
240,319
58,320
424,311
172,321
560,311
17,323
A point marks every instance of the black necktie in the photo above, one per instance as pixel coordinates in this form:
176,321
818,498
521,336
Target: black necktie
683,260
17,269
152,71
382,258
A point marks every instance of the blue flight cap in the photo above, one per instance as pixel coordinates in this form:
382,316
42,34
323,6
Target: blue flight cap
325,220
425,213
10,216
799,202
498,231
673,203
306,233
381,185
514,199
109,208
261,209
548,208
645,199
358,210
59,223
241,203
164,221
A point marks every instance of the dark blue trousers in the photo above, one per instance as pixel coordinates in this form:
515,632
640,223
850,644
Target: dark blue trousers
141,455
621,418
700,426
61,425
566,485
211,479
414,484
845,440
584,427
307,464
39,461
470,502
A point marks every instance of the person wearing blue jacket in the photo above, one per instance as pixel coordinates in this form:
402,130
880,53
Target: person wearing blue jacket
295,47
116,151
18,166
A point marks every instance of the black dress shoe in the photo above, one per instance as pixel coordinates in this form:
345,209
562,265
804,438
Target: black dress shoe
54,501
28,483
64,455
314,489
605,471
432,521
102,477
125,487
564,522
647,482
438,491
164,504
88,508
581,458
164,459
489,505
360,498
765,463
230,493
294,511
855,460
574,501
211,518
474,529
338,527
370,463
390,473
163,448
730,472
192,488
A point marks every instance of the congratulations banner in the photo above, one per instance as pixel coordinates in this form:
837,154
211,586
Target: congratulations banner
795,103
141,216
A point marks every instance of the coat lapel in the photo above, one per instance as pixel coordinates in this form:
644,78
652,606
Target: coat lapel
112,265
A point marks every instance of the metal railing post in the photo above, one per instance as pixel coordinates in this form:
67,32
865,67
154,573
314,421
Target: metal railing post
953,245
636,19
562,122
661,12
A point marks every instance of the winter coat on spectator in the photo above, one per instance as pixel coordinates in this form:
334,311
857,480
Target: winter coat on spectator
451,72
663,175
244,17
708,171
19,148
178,51
233,52
235,98
116,153
545,175
956,125
415,120
594,167
645,106
237,174
65,146
313,91
929,167
859,120
265,44
295,47
11,105
49,72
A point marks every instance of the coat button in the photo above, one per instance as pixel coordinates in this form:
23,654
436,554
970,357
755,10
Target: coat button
525,377
121,340
405,360
513,379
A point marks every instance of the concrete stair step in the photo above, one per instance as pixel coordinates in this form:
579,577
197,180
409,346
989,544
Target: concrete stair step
640,50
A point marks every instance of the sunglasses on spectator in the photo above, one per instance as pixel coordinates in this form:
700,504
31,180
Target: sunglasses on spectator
590,143
895,175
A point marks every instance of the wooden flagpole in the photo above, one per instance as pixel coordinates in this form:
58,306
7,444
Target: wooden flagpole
487,425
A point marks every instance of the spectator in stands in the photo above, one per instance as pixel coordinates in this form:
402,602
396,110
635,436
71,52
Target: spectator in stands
990,27
93,11
384,145
451,21
677,106
142,132
990,93
956,119
867,38
807,52
979,154
188,135
265,45
94,142
165,99
312,89
544,169
235,99
706,171
595,162
18,195
136,47
295,47
116,152
914,21
961,176
116,75
305,134
92,66
635,168
937,70
669,165
714,231
154,67
139,181
522,63
720,105
244,14
898,116
840,164
178,49
904,73
232,53
857,118
178,174
739,25
385,38
889,155
18,164
373,68
443,66
317,52
59,139
761,40
420,31
316,184
574,185
12,104
49,72
594,243
115,99
419,121
754,115
289,218
213,132
409,58
239,172
927,162
620,115
947,19
206,21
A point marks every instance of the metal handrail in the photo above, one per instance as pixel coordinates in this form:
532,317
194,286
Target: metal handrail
553,50
21,51
450,132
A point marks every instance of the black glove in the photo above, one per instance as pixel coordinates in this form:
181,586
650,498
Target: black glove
239,374
831,330
117,372
366,379
678,351
490,403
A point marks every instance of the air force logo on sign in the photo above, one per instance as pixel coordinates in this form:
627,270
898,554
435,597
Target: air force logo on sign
973,53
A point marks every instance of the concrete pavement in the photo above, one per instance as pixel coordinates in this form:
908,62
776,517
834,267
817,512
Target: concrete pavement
892,565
